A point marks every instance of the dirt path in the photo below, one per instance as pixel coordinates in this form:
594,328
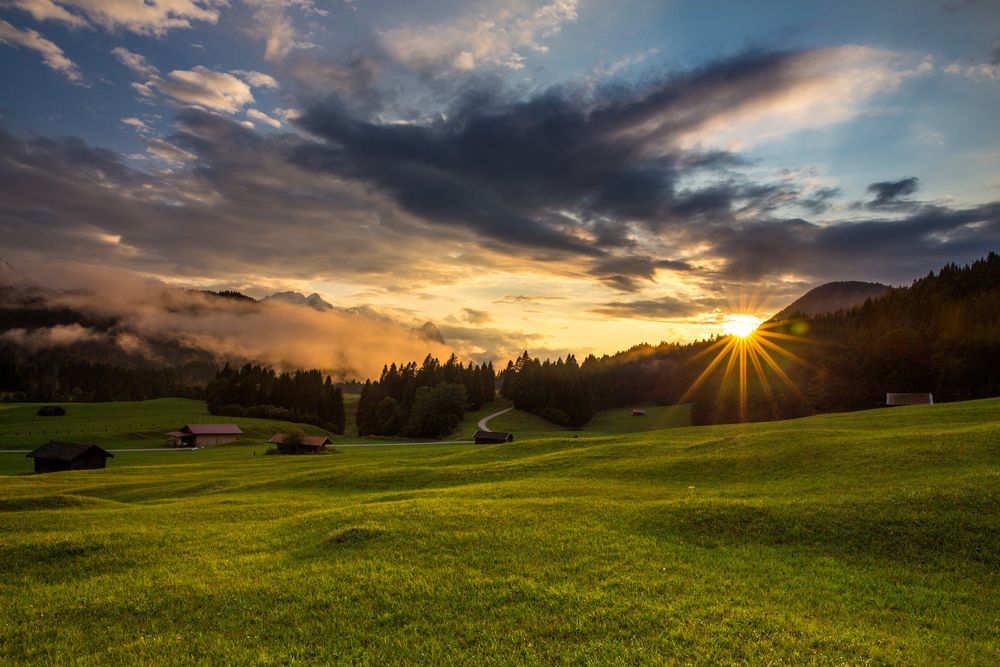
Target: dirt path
484,422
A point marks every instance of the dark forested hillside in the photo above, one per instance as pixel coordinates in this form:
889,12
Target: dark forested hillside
258,391
830,298
940,335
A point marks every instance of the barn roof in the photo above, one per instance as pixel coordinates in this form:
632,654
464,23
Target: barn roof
308,440
896,398
65,451
493,436
212,429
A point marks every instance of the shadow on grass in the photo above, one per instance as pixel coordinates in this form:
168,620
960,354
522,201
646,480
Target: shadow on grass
927,530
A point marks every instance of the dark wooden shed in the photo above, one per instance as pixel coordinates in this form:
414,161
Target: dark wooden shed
55,456
492,437
51,411
893,399
311,444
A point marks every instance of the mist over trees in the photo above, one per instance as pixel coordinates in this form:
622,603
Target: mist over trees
423,401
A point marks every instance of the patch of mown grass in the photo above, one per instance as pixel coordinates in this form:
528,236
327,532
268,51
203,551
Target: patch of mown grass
868,538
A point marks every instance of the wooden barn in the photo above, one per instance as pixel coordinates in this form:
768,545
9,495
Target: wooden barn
893,399
203,435
311,444
51,411
492,437
638,412
55,456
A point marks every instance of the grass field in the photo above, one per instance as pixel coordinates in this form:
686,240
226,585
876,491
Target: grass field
865,538
607,422
136,424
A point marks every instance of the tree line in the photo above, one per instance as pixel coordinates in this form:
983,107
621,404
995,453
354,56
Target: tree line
54,375
939,335
258,391
423,401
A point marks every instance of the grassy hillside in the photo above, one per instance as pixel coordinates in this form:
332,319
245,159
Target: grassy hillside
130,424
865,538
607,422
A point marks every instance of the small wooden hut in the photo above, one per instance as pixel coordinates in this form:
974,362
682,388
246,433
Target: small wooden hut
492,437
203,435
311,444
894,399
638,412
56,456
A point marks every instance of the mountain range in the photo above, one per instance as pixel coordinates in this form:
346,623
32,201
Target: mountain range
314,300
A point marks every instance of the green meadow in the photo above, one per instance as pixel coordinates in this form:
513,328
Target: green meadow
870,538
127,425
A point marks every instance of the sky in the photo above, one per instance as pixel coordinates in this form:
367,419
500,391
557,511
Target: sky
551,175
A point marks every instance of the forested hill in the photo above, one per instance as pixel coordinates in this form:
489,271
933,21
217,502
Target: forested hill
940,335
830,298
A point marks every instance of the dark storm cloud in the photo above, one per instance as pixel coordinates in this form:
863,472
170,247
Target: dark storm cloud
624,272
663,308
887,249
238,208
565,171
890,192
588,182
819,201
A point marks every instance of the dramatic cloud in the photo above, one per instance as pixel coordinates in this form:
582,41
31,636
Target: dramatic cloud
48,10
261,117
147,17
663,308
473,316
890,192
809,89
200,87
284,335
135,62
51,54
593,187
572,170
274,25
138,124
257,79
214,217
976,72
497,39
168,152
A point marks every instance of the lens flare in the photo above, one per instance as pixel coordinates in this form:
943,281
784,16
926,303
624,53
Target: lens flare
750,346
740,326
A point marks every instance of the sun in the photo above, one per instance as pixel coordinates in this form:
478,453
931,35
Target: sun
740,326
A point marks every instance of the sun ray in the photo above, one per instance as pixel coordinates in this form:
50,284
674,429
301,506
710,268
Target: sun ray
764,382
780,350
750,346
779,371
705,373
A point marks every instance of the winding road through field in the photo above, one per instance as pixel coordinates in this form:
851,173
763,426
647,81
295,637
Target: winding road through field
484,422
